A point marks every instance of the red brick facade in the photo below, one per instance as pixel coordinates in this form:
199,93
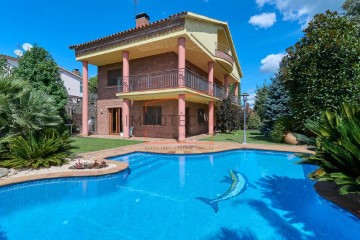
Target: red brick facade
169,128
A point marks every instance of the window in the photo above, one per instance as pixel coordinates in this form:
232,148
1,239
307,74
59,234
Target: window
81,87
113,76
201,116
152,115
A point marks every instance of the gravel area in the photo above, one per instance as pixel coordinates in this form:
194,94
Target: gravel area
15,173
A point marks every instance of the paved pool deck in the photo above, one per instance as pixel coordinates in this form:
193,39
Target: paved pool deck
168,147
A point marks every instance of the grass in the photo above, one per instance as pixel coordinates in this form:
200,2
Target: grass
252,136
84,144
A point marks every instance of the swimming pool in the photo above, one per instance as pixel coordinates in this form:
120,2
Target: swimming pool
163,197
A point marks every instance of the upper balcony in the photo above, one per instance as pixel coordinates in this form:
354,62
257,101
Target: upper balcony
168,84
223,54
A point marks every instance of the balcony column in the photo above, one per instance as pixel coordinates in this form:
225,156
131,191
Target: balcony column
211,118
181,113
85,100
226,84
236,89
181,60
211,77
125,108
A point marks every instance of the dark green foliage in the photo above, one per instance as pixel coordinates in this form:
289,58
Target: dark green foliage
322,69
337,149
260,99
254,121
352,8
227,115
24,109
93,83
31,151
276,105
279,129
39,68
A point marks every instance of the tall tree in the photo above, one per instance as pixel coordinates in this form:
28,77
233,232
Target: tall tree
352,8
93,83
276,104
260,98
322,69
39,68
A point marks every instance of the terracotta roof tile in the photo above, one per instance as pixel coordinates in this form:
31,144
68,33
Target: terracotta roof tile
128,31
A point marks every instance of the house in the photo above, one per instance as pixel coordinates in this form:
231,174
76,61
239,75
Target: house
161,79
72,80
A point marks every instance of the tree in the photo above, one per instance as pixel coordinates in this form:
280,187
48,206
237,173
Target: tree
227,115
260,98
93,82
24,110
276,105
39,68
352,8
322,69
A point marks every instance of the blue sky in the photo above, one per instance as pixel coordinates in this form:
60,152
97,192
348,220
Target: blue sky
261,29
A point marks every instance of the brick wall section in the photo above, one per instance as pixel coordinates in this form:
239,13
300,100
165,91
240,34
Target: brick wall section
169,127
196,127
103,114
158,63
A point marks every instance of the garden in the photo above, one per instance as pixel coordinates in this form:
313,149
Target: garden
315,97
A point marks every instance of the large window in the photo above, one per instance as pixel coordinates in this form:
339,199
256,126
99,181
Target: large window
201,116
152,115
113,76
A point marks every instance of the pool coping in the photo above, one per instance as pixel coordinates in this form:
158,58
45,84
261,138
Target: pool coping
120,166
151,147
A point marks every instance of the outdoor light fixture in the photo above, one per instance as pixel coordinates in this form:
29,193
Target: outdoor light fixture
245,96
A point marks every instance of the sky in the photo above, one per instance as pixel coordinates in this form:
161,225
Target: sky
261,29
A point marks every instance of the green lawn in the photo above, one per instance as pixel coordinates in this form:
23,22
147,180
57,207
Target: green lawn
84,144
252,136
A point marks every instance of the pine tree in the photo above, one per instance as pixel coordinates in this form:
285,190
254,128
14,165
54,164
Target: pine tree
261,96
227,115
276,104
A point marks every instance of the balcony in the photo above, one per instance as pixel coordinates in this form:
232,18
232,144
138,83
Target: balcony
223,53
170,79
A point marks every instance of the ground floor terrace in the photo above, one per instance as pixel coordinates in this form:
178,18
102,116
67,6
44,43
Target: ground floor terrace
167,118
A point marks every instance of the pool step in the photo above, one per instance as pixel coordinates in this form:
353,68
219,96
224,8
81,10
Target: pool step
144,169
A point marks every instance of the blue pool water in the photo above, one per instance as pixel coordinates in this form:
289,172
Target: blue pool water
158,200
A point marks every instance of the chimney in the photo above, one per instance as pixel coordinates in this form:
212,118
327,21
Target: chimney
142,19
76,71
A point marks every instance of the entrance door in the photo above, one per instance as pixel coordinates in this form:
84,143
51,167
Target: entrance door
187,121
115,120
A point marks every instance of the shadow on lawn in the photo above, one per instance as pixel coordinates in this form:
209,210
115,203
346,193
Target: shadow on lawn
227,234
256,136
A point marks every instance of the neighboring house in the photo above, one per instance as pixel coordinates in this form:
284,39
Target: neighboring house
72,80
161,79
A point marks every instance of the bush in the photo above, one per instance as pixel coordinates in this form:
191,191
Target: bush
227,116
254,121
280,127
337,150
45,150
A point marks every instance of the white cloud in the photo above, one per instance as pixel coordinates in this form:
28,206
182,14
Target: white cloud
263,20
302,11
270,63
251,99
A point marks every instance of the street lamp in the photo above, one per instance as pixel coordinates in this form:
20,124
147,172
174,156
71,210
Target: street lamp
245,96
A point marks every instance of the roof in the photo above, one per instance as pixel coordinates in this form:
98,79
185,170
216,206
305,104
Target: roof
73,74
8,57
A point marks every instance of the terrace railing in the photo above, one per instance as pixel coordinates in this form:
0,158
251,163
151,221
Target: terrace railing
224,52
171,79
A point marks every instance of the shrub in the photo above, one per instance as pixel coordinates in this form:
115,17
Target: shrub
227,115
280,127
45,150
254,121
337,150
